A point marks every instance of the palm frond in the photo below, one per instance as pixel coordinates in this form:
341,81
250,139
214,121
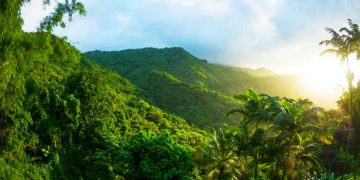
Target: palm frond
281,118
233,111
312,146
297,148
344,29
312,159
274,129
354,27
299,138
312,129
213,173
333,33
329,51
346,37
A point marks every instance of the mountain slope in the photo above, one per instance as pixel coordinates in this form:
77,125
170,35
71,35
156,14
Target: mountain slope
177,82
177,62
180,83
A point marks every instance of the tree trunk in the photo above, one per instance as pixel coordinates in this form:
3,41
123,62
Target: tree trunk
277,168
2,130
256,166
350,130
221,172
284,174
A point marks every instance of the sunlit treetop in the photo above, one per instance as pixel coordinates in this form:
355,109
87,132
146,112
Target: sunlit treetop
10,18
344,42
56,18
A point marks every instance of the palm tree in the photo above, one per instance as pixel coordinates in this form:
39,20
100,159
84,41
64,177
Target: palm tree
342,47
256,109
254,113
353,34
294,127
281,122
305,156
223,161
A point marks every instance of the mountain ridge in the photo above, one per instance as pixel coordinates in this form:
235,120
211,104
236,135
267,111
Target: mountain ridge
228,80
187,86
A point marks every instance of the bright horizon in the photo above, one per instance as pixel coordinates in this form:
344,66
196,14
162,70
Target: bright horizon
280,35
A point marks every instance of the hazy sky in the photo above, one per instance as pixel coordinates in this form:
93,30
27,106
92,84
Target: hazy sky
279,34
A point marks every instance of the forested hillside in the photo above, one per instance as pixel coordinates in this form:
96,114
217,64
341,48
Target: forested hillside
192,88
182,65
61,116
68,112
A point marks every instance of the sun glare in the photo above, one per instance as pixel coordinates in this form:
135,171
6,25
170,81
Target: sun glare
326,78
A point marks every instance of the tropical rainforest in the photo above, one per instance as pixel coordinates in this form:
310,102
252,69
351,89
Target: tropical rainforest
160,113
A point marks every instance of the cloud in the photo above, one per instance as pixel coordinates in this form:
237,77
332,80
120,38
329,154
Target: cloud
262,13
235,32
205,27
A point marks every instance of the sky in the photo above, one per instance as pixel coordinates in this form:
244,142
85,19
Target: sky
282,35
233,32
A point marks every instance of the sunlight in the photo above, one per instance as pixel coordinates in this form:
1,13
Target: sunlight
326,78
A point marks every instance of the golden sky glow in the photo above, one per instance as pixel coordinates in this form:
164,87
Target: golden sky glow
326,77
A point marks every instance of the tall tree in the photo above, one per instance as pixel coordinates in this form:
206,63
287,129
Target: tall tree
353,34
256,111
342,46
220,157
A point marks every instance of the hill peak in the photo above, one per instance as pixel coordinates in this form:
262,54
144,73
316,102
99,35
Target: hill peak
166,51
145,49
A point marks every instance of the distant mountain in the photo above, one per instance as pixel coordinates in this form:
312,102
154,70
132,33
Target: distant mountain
260,72
192,88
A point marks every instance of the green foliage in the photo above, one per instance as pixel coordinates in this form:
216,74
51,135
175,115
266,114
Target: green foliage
75,115
278,138
218,159
63,117
144,155
351,156
351,163
159,157
56,18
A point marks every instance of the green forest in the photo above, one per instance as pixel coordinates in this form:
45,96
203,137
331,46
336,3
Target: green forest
162,113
